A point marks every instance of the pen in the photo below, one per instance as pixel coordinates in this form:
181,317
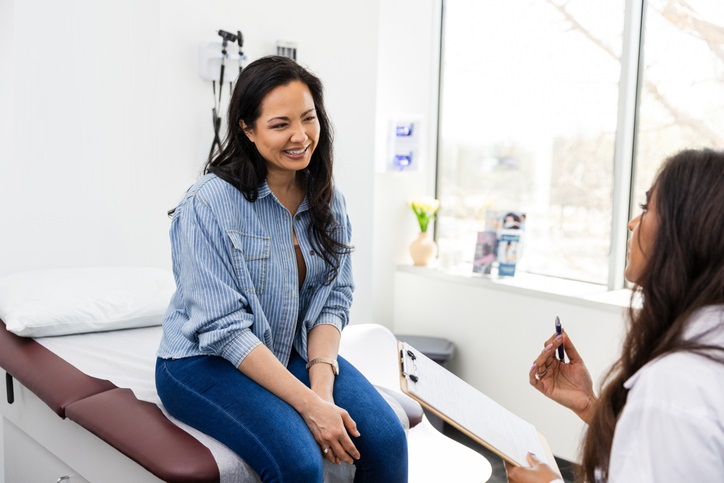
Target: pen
559,331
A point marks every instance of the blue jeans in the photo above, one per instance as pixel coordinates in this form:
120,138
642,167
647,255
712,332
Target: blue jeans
211,395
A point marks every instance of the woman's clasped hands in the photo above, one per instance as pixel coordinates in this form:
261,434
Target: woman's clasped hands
331,427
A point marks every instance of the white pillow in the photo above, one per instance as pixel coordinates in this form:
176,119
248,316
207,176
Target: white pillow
72,301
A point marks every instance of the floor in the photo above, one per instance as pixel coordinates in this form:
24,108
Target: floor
499,476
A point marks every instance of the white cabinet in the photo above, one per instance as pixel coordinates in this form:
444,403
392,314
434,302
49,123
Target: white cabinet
26,460
38,447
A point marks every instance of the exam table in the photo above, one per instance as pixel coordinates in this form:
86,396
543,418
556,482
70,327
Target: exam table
83,407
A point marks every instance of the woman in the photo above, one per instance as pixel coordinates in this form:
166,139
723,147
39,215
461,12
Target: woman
261,257
659,415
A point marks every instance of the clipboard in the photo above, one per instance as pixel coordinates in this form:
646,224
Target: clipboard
469,410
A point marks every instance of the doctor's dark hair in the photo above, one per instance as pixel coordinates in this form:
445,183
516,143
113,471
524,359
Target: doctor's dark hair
684,272
240,164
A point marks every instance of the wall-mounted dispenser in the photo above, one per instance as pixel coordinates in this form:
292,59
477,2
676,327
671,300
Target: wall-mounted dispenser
287,49
403,153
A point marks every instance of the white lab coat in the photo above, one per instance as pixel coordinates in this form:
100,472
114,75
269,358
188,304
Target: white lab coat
672,426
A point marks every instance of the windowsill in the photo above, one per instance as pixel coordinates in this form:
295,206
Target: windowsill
528,284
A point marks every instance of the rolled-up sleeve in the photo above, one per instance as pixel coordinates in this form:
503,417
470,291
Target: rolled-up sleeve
219,320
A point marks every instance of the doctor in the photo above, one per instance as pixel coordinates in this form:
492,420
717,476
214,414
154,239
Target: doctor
658,417
261,255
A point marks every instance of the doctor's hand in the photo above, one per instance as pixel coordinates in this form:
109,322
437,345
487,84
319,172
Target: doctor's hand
537,472
331,427
568,384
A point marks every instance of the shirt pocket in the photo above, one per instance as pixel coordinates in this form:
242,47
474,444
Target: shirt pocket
251,260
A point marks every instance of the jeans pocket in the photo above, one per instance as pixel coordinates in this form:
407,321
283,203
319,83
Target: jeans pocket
251,259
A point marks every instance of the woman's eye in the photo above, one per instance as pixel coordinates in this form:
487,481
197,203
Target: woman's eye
279,126
310,118
644,207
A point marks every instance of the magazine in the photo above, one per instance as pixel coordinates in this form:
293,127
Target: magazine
508,248
505,220
500,243
484,252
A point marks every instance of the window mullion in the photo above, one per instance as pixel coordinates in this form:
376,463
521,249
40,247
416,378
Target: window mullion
624,153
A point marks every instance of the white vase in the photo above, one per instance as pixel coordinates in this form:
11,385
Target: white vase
423,249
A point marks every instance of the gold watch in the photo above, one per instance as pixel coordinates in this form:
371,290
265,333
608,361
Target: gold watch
325,360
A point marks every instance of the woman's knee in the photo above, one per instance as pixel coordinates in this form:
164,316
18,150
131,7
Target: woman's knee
299,468
394,439
384,457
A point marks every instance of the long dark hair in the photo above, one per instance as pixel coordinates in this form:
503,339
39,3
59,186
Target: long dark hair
240,164
684,272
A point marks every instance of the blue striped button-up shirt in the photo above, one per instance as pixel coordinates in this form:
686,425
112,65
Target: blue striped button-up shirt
236,275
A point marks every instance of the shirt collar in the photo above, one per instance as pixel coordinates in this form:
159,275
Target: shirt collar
265,191
706,319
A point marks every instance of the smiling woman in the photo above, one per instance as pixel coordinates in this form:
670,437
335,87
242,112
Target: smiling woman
261,254
287,131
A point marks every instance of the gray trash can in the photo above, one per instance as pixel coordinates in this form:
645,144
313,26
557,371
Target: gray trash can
439,350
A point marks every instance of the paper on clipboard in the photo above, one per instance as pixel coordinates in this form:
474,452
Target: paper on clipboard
469,410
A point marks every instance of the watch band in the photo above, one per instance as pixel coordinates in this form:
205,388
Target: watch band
325,360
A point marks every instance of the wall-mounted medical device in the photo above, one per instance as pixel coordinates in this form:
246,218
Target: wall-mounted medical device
403,141
213,54
221,62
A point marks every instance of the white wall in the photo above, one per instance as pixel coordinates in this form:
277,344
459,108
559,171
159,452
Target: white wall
499,331
85,184
111,121
408,59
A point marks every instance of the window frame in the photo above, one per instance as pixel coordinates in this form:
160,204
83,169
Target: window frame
624,169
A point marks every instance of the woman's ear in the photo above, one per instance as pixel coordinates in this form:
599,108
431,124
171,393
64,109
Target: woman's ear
247,130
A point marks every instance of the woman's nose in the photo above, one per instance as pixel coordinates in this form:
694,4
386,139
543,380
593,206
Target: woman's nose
633,222
299,134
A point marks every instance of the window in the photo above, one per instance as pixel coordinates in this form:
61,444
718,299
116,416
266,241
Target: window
533,105
682,87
